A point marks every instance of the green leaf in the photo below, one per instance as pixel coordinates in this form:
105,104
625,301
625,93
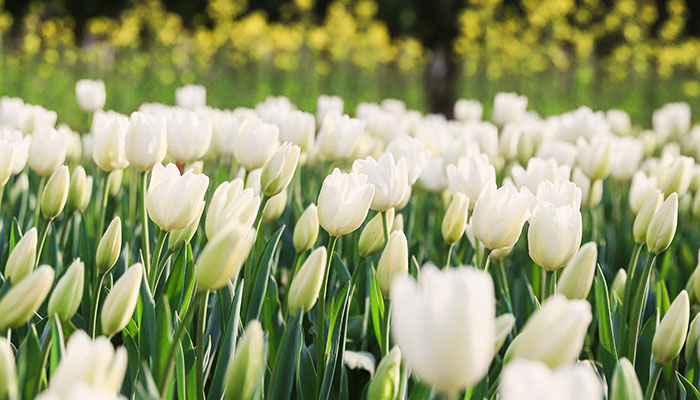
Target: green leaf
335,349
306,375
163,339
228,346
686,387
260,286
147,331
642,363
57,343
341,269
286,363
376,305
604,315
29,364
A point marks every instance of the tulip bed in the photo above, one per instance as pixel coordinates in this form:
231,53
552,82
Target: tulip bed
185,252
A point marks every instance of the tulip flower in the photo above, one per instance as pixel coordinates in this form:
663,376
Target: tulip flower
470,175
189,135
274,207
594,158
618,285
591,192
146,140
256,143
68,293
389,178
445,325
641,188
413,151
120,303
109,246
644,216
279,170
181,236
91,95
468,110
343,202
662,226
78,190
243,374
676,176
504,325
559,194
539,170
499,215
455,220
625,384
305,286
22,300
670,335
306,229
554,334
109,140
22,259
223,256
508,107
385,383
299,128
339,135
172,199
231,203
672,120
114,182
7,159
531,380
577,277
625,155
47,151
554,235
191,97
434,177
8,370
372,236
55,194
326,104
393,262
20,146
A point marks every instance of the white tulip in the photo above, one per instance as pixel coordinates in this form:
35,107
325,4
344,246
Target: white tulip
256,143
189,135
231,203
591,194
47,151
539,170
671,121
191,96
146,140
468,110
343,202
327,104
109,140
676,176
389,178
554,235
339,136
594,158
174,200
413,151
640,190
619,121
564,153
508,107
21,144
434,176
531,380
299,128
470,175
577,277
91,95
625,155
499,215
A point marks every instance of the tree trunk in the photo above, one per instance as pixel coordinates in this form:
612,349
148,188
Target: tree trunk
440,80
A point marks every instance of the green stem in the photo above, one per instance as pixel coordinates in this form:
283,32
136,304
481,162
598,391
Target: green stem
385,227
39,193
386,327
99,280
486,260
505,289
627,293
156,257
637,301
145,237
551,282
45,230
296,265
201,327
656,370
64,232
321,312
449,255
44,358
103,206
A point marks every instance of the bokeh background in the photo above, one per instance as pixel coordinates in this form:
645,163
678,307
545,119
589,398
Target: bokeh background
630,54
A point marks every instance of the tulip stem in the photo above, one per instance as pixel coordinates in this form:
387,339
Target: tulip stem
156,258
321,312
627,293
145,237
103,206
638,300
656,370
449,255
385,227
201,327
64,232
487,260
96,303
387,325
551,279
46,226
39,193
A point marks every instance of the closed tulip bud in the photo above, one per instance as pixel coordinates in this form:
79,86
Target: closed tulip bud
23,299
554,235
393,262
121,301
671,332
385,384
76,190
499,215
8,370
662,226
223,257
455,220
146,140
91,95
618,284
554,334
344,202
644,216
114,182
625,385
68,293
275,207
181,236
676,177
109,246
304,289
55,194
397,225
306,229
22,258
279,170
231,203
691,342
7,159
372,235
172,199
244,370
576,279
504,325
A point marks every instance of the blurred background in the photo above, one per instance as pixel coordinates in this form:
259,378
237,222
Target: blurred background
630,54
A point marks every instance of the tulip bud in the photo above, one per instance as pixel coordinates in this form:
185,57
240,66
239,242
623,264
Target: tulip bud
372,236
625,385
646,213
504,325
279,170
554,334
671,332
109,247
691,342
23,257
385,384
303,292
306,229
66,297
247,364
222,257
55,194
397,225
76,191
8,370
576,279
662,226
181,236
121,301
499,215
676,177
393,262
618,284
275,207
23,299
114,182
455,220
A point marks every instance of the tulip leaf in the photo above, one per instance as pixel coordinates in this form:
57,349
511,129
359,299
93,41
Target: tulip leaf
306,377
180,374
341,269
260,285
163,339
228,344
604,315
376,304
642,363
285,364
29,365
57,343
148,331
335,348
272,319
688,391
146,387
